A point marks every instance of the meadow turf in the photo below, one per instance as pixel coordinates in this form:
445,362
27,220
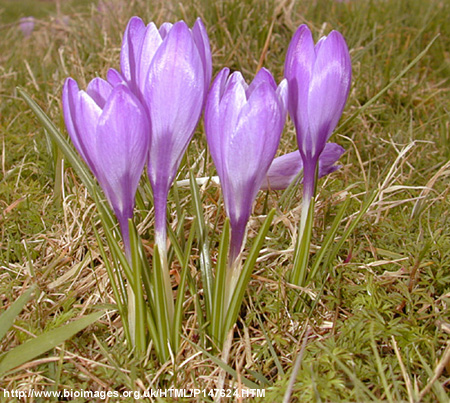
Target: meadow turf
374,323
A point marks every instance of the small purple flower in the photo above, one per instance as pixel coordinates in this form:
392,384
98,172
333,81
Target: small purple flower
169,69
109,128
27,25
243,126
285,168
319,83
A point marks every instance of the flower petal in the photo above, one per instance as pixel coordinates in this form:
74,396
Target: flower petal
329,88
174,92
285,168
131,48
202,42
122,146
213,125
99,90
298,68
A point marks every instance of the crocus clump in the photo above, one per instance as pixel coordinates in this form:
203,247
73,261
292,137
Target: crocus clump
169,69
243,126
109,128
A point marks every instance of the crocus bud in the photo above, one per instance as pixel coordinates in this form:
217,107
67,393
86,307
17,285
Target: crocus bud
319,82
170,70
243,127
284,169
109,128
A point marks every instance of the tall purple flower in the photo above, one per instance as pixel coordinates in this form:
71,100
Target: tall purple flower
319,83
243,127
170,70
109,128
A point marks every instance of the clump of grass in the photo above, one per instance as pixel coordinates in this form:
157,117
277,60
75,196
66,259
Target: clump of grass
375,322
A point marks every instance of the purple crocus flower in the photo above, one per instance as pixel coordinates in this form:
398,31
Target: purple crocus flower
319,83
170,70
109,128
285,168
27,25
243,126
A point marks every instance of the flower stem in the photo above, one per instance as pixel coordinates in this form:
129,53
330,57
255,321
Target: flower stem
301,253
161,243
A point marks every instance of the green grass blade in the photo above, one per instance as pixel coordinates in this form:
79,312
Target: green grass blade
224,366
287,197
218,306
44,342
202,236
7,318
302,246
140,306
160,304
118,287
178,317
351,227
328,240
270,345
244,278
381,370
69,153
371,101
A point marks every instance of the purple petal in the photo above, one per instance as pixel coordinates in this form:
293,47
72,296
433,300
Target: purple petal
202,42
285,168
99,90
150,44
327,160
213,125
70,100
263,76
164,29
87,113
122,143
174,92
243,135
114,77
298,68
131,48
329,88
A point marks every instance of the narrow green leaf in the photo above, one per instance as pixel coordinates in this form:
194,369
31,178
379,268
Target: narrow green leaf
202,235
44,342
7,318
331,233
160,304
69,153
244,278
218,305
302,245
178,318
140,306
118,286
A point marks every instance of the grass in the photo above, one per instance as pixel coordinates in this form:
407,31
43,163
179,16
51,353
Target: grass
375,325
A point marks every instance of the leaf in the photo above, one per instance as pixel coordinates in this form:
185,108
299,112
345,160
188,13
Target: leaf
8,317
44,342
